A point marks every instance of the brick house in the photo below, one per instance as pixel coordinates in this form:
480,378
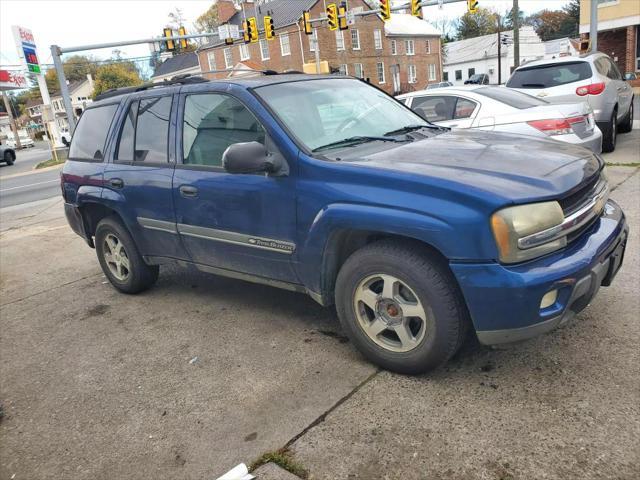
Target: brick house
400,55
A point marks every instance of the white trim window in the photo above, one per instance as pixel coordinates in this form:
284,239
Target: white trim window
355,39
244,52
428,46
339,40
377,39
413,74
432,72
409,47
380,71
344,69
394,47
285,46
313,40
211,59
228,58
359,71
264,49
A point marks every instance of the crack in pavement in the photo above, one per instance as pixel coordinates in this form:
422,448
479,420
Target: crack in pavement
50,289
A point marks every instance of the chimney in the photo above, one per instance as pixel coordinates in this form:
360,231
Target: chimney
226,10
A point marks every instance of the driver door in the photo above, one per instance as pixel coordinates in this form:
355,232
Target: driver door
238,222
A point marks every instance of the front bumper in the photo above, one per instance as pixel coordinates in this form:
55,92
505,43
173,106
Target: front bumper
504,300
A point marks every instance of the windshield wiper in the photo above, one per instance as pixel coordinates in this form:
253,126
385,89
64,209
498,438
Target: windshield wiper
409,128
355,141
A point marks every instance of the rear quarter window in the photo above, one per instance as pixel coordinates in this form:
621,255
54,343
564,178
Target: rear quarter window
91,134
547,76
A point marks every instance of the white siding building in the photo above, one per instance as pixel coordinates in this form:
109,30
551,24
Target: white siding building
480,55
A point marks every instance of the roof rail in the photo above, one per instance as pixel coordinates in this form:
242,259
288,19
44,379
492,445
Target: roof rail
178,80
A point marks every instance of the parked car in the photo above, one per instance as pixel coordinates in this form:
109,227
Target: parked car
439,85
477,79
503,110
416,232
25,142
593,78
7,154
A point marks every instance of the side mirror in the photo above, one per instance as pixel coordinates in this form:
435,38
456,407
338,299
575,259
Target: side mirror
249,157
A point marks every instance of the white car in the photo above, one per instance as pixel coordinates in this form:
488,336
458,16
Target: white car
502,109
25,142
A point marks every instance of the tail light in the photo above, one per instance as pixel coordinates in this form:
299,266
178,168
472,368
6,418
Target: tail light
557,126
592,89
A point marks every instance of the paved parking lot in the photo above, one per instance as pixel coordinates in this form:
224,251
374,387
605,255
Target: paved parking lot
200,373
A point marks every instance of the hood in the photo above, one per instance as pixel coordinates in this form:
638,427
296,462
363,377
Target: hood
517,168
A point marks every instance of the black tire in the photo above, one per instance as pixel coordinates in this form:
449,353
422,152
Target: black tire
9,157
627,125
138,276
434,287
610,135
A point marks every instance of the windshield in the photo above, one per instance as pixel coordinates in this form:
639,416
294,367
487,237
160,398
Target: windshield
325,111
547,76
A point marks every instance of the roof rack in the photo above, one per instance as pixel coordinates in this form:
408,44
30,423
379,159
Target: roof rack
185,79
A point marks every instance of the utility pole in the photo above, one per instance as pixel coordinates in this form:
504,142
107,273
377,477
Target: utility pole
499,53
593,26
516,33
12,120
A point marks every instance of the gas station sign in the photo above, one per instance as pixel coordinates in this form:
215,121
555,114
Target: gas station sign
12,80
26,45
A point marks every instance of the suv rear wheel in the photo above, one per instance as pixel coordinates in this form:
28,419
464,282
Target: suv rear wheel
627,124
400,308
610,134
119,258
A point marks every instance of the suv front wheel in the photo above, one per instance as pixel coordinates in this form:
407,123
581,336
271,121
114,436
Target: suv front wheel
119,258
400,307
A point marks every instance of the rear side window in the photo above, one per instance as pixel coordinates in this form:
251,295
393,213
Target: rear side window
547,76
91,135
512,98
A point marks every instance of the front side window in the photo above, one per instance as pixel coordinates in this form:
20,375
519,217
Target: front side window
316,116
355,39
380,71
264,49
91,134
377,39
408,44
339,40
228,58
211,123
285,47
244,51
152,130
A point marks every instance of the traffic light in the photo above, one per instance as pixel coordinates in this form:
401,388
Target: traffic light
332,16
183,41
246,31
385,9
342,14
170,44
269,28
416,8
250,28
306,20
472,6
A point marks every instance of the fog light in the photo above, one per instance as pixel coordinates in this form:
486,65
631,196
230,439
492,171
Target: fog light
548,299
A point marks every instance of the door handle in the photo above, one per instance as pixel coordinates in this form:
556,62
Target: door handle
116,183
188,191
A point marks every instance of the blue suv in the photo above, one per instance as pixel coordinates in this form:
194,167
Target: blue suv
328,186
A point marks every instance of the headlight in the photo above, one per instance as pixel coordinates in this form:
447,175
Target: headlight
512,223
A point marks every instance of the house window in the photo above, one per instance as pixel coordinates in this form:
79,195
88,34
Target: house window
432,72
408,44
228,58
285,47
445,76
211,59
244,51
394,47
339,40
344,70
264,49
355,39
412,74
471,72
377,39
313,40
380,70
458,74
428,45
358,70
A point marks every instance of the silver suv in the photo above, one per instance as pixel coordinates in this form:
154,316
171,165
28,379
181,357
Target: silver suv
592,78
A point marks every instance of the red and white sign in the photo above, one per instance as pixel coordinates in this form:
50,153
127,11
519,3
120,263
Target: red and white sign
12,80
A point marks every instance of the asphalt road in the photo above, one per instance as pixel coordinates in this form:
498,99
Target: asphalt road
26,160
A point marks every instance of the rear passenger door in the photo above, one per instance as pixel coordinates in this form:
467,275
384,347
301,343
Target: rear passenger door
138,180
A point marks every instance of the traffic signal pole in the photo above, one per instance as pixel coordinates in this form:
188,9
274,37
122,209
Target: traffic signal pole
516,33
593,26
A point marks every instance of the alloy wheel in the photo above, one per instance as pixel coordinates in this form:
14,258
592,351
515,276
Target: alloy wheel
116,258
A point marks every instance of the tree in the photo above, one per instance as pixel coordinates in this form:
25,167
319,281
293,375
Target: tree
75,69
552,24
208,21
572,23
116,75
176,19
483,22
509,17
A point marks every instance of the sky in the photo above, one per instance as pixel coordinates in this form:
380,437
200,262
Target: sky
70,23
